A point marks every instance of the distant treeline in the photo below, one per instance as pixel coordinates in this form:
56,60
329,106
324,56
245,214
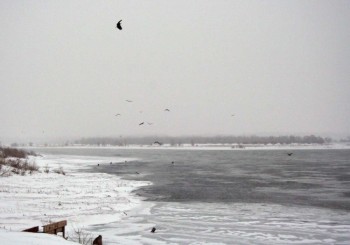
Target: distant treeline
193,140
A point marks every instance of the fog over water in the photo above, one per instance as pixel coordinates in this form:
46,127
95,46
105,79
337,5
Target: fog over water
280,67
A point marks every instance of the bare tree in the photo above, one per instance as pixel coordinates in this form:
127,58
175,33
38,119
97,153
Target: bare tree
81,236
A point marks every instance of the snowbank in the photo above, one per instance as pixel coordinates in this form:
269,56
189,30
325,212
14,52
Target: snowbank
16,238
83,199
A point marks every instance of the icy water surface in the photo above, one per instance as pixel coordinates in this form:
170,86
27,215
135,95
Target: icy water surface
310,178
228,223
234,197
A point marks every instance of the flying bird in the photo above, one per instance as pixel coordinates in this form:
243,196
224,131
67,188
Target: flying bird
149,123
128,100
153,230
141,123
289,154
118,115
232,115
166,110
119,26
157,142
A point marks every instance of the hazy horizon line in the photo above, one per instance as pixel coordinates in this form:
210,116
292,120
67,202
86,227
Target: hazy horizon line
54,139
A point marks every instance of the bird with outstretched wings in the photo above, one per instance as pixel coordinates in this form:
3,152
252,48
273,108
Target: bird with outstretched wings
119,26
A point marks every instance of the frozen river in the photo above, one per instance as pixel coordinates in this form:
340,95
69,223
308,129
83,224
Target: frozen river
232,197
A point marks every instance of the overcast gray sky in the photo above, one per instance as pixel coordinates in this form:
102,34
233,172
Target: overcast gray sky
281,67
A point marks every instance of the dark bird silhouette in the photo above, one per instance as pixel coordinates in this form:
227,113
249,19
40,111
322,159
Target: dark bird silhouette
128,100
125,213
98,164
119,26
166,110
289,154
232,115
172,162
157,142
141,123
117,114
153,230
137,173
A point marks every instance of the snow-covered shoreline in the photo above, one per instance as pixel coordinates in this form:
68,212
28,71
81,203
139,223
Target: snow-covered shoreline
83,199
101,203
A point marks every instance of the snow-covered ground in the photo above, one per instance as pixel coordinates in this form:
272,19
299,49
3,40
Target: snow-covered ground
17,238
83,199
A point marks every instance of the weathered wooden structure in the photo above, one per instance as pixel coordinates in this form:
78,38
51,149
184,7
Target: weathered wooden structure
56,227
33,229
